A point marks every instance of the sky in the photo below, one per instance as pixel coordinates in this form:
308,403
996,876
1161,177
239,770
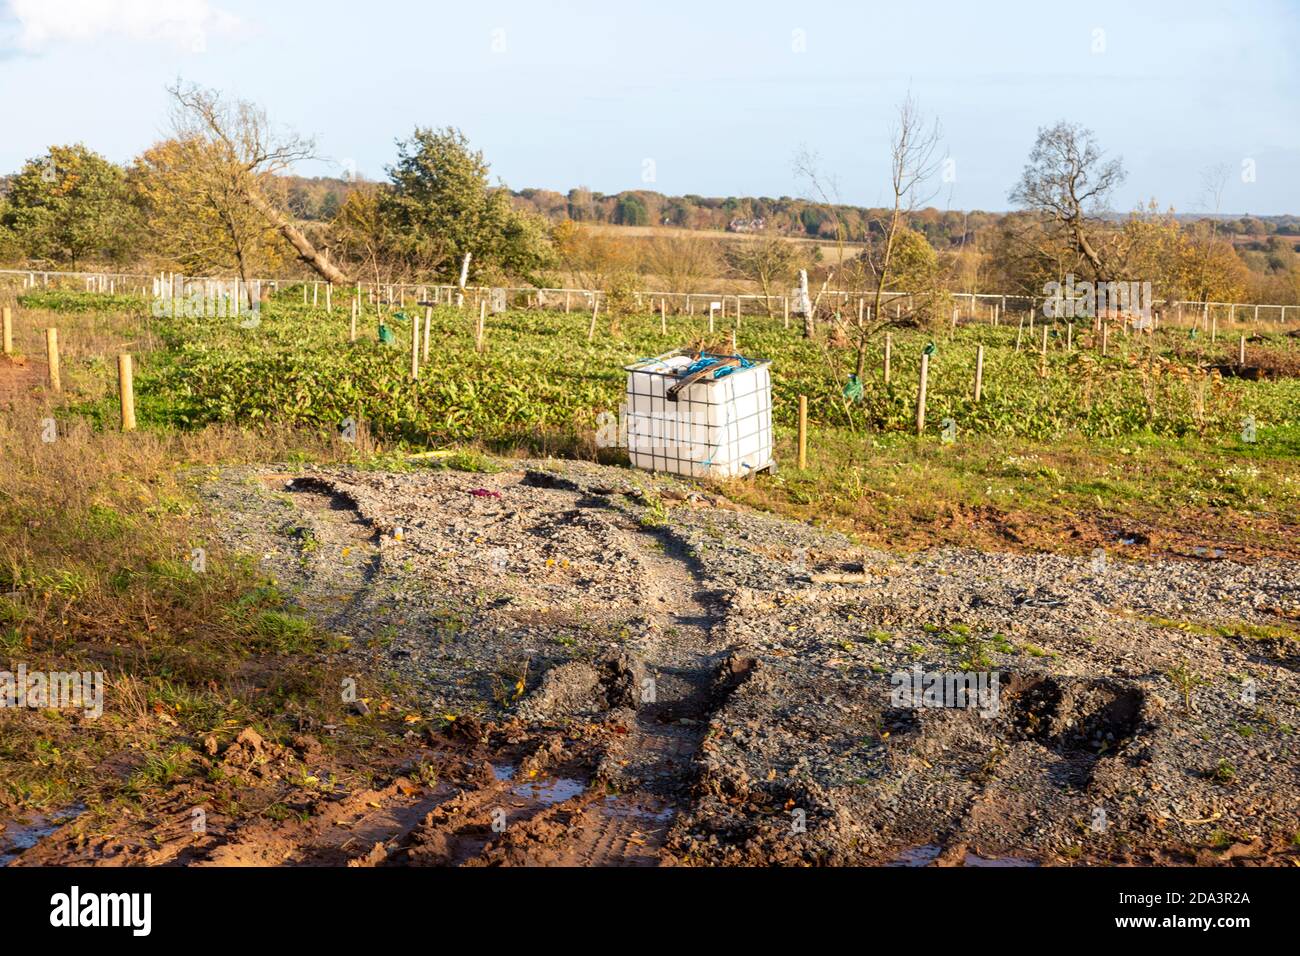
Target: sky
712,98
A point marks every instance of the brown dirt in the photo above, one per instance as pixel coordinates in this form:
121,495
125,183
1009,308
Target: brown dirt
1186,535
771,693
18,377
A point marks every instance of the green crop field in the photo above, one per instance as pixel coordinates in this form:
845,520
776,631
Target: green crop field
1143,432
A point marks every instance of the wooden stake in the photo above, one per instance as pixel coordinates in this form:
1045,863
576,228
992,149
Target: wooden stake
1042,362
979,372
52,355
126,391
733,342
7,320
480,333
428,321
352,334
786,303
595,307
329,297
889,351
920,394
1105,338
1069,337
663,318
803,432
1241,349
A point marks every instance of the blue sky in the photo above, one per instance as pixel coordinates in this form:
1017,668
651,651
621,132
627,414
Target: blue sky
721,96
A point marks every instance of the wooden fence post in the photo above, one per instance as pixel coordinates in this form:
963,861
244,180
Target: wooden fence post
920,394
1105,336
979,373
1241,350
803,432
7,320
352,333
595,307
428,321
889,349
126,391
1042,361
785,300
329,297
663,318
480,332
52,355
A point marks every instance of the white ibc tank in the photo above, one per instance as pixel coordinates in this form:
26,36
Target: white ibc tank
719,426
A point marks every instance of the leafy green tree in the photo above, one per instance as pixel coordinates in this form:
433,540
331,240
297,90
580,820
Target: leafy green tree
443,206
631,211
70,206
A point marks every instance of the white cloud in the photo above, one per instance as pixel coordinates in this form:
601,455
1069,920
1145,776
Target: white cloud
181,23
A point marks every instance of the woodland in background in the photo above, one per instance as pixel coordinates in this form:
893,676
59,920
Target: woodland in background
217,197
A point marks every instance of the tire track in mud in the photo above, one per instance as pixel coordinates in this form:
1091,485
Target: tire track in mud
526,792
618,810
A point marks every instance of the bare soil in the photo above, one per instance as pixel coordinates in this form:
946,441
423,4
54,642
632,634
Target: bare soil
584,665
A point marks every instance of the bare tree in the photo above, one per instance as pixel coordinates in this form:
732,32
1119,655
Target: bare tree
681,262
1067,181
770,262
247,154
914,145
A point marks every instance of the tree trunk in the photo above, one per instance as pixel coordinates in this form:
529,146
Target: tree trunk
1081,240
243,276
881,280
293,235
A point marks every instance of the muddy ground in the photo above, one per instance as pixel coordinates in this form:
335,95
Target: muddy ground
605,668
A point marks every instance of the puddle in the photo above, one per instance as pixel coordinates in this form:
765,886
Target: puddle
974,860
926,854
1202,552
21,835
503,771
550,791
1131,538
618,807
917,855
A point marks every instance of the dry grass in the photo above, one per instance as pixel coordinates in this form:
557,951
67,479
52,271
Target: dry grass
96,535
